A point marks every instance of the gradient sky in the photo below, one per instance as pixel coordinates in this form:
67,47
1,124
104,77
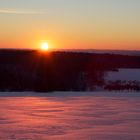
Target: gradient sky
68,24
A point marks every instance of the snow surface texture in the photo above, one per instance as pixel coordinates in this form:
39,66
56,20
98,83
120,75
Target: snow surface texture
124,74
70,116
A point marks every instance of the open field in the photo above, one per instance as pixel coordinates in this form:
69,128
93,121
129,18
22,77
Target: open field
69,116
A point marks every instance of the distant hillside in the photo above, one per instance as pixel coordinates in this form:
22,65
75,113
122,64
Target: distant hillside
122,52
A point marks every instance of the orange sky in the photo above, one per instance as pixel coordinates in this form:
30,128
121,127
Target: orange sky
97,24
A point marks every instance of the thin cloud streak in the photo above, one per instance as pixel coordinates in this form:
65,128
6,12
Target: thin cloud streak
17,11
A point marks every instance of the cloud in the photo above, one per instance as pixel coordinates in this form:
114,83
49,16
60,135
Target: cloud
17,11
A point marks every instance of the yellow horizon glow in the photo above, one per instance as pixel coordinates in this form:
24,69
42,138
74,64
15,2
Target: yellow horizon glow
96,25
44,46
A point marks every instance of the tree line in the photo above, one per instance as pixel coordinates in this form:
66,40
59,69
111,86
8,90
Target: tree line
24,70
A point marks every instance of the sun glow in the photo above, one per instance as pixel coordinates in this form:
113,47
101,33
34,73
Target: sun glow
44,46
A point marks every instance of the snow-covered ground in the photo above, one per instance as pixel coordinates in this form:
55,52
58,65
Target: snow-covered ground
123,74
69,116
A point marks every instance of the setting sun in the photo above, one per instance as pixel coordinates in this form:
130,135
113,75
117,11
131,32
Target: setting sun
44,46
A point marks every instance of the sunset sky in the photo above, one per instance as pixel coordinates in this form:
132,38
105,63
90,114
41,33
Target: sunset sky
70,24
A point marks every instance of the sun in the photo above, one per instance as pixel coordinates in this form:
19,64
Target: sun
44,46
